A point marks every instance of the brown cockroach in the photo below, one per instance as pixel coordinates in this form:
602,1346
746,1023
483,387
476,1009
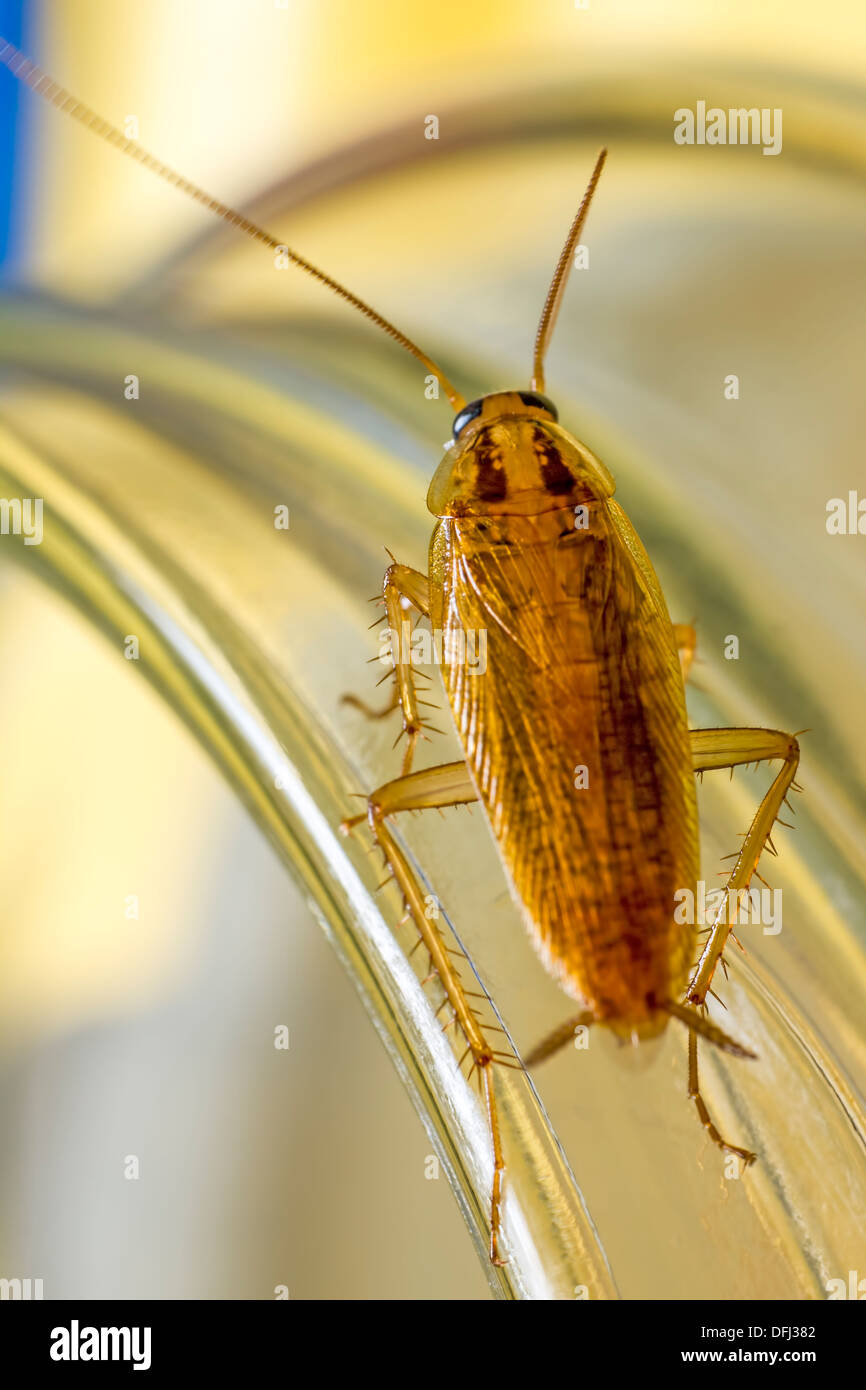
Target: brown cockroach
583,666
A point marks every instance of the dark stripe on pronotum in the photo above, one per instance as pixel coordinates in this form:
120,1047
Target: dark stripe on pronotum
557,478
491,484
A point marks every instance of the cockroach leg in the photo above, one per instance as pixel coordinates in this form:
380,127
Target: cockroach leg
718,748
559,1038
404,582
485,1073
703,1027
438,787
687,645
401,583
703,1114
368,712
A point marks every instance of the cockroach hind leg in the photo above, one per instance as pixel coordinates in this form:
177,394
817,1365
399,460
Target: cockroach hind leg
746,1156
699,1025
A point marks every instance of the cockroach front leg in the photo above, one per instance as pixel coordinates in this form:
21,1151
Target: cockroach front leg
687,645
367,710
447,785
402,584
718,748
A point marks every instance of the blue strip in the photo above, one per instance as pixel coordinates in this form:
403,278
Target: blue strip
13,25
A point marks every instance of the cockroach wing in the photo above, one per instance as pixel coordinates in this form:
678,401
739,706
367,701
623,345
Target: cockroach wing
562,674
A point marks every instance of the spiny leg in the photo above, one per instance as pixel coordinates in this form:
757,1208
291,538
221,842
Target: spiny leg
718,748
703,1113
401,582
447,785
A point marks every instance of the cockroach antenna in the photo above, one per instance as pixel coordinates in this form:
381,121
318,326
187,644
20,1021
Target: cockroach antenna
555,294
22,68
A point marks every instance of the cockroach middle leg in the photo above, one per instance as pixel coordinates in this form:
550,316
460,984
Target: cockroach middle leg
439,787
718,748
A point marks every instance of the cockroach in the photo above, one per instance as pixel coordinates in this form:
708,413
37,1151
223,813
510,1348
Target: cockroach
583,666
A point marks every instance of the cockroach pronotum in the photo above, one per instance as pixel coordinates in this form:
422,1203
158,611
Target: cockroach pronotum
583,666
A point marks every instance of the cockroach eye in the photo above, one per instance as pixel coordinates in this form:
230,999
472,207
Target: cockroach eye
473,409
469,412
535,398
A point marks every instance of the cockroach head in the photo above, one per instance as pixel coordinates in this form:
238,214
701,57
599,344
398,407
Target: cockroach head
532,400
511,457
